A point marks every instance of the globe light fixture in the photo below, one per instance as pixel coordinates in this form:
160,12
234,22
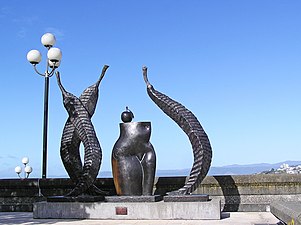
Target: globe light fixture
48,40
27,168
53,61
18,170
54,64
25,160
54,55
34,57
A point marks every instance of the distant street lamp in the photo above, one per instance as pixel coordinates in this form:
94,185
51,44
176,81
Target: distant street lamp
54,57
27,168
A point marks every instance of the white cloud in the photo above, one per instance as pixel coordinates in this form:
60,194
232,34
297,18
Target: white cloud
28,20
5,11
22,32
20,23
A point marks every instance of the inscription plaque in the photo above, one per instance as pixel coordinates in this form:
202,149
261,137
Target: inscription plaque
121,210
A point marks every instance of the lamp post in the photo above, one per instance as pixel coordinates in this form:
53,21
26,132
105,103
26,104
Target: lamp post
54,56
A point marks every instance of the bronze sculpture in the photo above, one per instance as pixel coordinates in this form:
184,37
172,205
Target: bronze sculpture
79,128
133,158
191,126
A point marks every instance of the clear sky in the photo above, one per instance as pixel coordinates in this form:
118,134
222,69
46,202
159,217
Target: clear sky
235,64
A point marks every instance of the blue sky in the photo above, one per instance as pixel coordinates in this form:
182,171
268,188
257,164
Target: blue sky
235,64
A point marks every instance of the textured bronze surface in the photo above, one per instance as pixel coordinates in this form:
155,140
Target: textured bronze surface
191,126
79,128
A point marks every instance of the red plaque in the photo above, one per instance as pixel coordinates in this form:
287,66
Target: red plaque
121,210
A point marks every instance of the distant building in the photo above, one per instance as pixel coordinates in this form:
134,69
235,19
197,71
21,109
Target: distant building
284,168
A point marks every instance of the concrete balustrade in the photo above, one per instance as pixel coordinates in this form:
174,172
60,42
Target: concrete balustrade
237,193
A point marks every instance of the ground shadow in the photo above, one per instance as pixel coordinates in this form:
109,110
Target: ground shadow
225,215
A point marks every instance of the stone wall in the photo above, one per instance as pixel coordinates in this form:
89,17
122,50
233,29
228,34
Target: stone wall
17,195
237,193
249,193
252,192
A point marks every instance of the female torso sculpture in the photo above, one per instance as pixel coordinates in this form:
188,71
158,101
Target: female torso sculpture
134,160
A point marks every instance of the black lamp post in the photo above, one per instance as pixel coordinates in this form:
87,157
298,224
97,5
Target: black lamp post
54,57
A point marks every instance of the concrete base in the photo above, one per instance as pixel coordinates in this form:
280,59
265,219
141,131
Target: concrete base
76,199
288,212
210,210
186,198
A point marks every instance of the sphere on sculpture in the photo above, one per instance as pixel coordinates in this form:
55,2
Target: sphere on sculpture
127,115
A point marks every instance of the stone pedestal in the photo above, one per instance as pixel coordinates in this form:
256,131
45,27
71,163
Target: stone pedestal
81,198
186,198
208,210
142,198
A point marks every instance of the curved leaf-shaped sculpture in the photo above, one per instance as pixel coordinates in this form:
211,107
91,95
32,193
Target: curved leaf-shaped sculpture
191,126
77,129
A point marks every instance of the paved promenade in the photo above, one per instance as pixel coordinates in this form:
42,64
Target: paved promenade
236,218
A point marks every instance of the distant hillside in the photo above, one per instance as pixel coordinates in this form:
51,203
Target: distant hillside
230,169
222,170
248,169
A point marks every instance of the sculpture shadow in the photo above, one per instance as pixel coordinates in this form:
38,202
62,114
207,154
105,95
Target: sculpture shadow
230,193
164,185
227,184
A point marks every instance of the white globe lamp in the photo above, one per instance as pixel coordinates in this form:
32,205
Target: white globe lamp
48,40
54,64
54,54
25,160
28,170
34,57
18,169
